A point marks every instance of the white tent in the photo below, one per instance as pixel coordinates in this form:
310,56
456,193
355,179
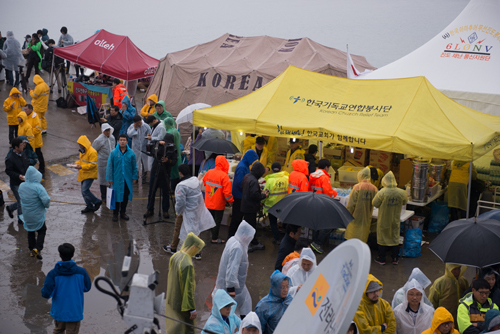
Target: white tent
463,61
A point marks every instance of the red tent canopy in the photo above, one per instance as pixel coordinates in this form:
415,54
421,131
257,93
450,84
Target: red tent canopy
110,54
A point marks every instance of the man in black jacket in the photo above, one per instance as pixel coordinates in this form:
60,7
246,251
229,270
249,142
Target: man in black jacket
58,65
287,244
16,165
115,119
251,200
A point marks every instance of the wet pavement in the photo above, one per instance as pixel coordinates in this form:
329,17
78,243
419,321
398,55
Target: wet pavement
101,244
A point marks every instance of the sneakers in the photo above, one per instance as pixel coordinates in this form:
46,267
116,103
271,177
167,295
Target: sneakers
259,246
168,249
379,261
87,209
317,248
124,216
395,262
115,217
36,253
44,132
148,214
97,205
166,216
9,211
197,256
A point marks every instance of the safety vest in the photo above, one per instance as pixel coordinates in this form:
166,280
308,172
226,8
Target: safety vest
217,189
476,311
277,184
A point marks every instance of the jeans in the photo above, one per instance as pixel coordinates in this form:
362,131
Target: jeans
12,132
273,221
89,198
121,207
251,218
37,241
383,249
10,77
41,161
236,218
217,214
17,205
320,236
154,184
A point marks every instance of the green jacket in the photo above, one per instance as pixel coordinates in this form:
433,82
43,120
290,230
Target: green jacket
277,184
470,311
36,48
164,114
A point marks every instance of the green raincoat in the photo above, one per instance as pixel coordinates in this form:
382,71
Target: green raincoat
164,114
389,200
169,124
447,290
361,207
181,286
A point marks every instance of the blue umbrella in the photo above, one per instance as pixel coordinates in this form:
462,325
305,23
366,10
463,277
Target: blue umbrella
92,113
493,214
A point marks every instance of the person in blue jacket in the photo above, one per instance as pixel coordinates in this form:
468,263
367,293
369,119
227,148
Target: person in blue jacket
242,169
128,112
223,320
121,172
271,308
35,202
65,284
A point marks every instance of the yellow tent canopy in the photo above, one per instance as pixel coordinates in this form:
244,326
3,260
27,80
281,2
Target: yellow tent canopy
398,115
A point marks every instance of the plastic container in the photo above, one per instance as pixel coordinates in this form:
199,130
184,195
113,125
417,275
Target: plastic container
347,176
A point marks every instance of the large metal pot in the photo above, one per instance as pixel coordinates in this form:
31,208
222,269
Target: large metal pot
420,180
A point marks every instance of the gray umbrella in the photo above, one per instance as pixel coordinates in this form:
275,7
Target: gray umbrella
216,145
472,242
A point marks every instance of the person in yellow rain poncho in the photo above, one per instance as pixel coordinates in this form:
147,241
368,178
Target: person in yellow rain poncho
40,100
361,207
181,286
442,323
248,142
457,188
149,107
389,200
376,176
34,121
13,105
295,152
87,173
24,128
272,148
447,290
263,153
374,314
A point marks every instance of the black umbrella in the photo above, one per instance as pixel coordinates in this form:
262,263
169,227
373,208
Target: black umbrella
472,242
216,145
313,210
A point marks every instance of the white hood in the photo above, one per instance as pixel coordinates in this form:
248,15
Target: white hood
192,183
250,319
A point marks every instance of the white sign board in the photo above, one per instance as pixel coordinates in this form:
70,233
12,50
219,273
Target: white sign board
328,300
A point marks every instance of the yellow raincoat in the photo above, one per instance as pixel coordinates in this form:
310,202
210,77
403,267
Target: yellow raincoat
380,175
25,129
389,200
369,317
247,143
181,286
149,109
264,157
457,188
272,149
13,111
361,207
441,315
447,290
88,160
40,99
34,121
299,153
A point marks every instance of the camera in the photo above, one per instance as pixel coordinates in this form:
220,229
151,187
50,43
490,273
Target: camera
158,151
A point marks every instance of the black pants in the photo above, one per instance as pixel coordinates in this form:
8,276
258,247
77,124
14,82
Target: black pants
68,64
455,213
321,236
236,218
32,63
41,161
273,221
104,191
251,218
217,215
196,169
37,241
154,183
121,207
12,132
394,250
173,184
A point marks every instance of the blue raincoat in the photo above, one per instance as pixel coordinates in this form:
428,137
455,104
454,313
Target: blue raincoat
34,200
216,323
128,116
122,167
491,319
243,169
271,308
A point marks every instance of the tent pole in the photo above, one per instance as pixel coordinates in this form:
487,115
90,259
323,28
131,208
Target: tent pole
321,149
469,189
52,71
194,153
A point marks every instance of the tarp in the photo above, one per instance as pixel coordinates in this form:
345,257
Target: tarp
110,54
398,115
231,66
462,61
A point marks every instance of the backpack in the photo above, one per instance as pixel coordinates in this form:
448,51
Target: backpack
61,102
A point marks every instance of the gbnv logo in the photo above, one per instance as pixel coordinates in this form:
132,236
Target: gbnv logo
297,99
317,294
470,42
212,191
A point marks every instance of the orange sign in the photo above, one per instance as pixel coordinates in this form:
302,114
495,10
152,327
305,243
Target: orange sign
317,294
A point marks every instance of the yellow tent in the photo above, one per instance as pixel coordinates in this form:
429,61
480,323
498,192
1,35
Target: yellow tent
399,115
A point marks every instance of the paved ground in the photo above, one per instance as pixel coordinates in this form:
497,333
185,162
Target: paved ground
101,244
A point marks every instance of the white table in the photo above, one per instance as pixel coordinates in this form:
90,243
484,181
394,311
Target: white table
429,199
404,215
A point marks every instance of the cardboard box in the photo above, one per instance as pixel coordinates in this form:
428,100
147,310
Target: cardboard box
361,155
380,157
405,172
382,166
337,152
